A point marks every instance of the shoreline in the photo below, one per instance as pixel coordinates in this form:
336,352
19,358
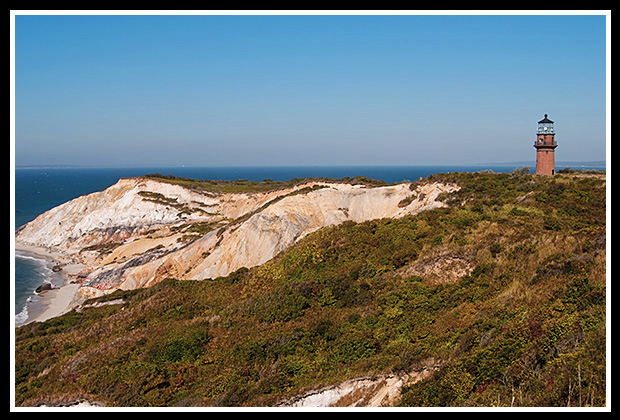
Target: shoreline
57,301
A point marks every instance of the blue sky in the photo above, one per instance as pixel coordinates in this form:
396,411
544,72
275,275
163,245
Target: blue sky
305,90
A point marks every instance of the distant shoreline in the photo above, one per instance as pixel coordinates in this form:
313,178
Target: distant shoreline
593,164
558,164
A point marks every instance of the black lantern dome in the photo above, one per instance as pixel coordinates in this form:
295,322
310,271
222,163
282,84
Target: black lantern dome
545,126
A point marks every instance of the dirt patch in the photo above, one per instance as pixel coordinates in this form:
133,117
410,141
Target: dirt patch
137,247
447,268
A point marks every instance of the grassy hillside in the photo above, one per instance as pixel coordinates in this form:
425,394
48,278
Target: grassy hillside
524,326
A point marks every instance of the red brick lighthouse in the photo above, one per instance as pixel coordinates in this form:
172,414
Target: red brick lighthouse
545,147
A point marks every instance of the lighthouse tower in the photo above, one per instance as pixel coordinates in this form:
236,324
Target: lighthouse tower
545,147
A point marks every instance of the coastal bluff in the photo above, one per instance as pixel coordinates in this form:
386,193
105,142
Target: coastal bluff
509,271
142,230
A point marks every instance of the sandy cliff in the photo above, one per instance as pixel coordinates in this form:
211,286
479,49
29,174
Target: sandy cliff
140,231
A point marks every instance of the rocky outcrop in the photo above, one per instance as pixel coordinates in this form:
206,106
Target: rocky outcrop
44,287
140,231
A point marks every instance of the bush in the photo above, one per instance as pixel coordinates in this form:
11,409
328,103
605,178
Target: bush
495,249
180,343
282,306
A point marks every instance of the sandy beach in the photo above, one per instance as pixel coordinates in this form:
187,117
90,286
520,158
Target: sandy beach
57,301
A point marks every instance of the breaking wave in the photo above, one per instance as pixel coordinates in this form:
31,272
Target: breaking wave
31,271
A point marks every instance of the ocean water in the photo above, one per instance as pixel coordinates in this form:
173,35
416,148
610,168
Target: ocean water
38,190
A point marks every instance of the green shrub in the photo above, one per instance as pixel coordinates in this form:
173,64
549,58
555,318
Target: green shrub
180,343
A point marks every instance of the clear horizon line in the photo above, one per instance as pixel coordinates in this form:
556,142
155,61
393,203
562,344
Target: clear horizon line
518,163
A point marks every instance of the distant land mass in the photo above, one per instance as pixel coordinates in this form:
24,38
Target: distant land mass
35,166
558,164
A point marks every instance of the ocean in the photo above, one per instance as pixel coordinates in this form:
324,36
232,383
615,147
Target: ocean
39,189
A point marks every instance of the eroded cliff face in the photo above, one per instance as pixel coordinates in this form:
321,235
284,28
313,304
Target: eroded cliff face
140,231
127,209
377,391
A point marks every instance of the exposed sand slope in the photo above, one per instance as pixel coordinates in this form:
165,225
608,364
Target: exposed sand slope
140,231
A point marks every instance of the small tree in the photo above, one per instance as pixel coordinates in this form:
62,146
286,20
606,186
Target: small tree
517,172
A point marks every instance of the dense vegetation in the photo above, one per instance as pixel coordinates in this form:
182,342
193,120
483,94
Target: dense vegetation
244,185
525,327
